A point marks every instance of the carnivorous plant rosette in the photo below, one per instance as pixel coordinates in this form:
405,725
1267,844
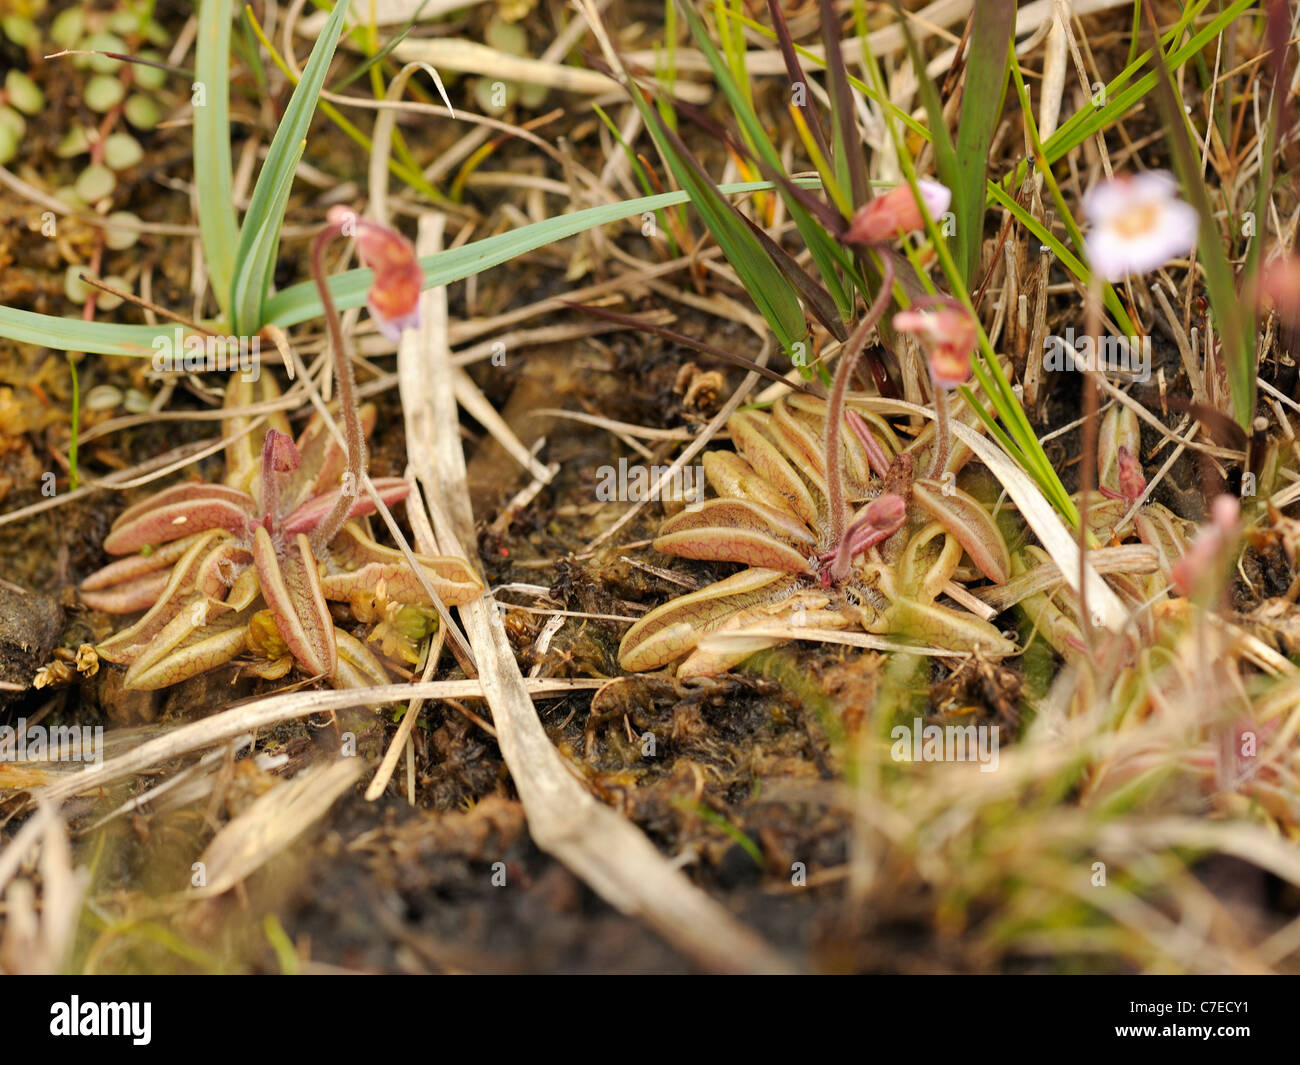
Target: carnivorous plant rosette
903,541
822,504
248,565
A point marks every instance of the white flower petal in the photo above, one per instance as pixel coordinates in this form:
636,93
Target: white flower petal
1138,224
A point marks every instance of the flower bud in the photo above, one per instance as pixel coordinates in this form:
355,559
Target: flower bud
896,213
949,336
394,297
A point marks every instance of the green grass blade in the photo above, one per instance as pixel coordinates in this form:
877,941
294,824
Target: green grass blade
821,245
981,109
1220,282
398,36
1019,440
850,166
74,334
794,71
642,177
1067,258
1109,296
259,243
255,260
816,61
1120,99
945,153
300,303
218,229
771,291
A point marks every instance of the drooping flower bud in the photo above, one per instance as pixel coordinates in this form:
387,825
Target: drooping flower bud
1279,285
394,296
896,213
886,512
279,453
949,336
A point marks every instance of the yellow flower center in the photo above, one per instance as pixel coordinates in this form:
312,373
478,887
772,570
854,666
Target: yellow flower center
1137,221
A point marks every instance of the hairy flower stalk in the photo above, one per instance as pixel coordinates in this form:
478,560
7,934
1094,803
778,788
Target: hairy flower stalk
835,405
394,303
876,223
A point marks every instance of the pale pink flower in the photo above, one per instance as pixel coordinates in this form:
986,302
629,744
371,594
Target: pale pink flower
1138,224
949,336
897,213
394,296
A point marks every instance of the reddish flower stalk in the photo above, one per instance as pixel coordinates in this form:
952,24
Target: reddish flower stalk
876,457
394,303
835,404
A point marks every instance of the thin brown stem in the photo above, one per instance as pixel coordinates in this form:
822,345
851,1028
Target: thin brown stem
835,403
353,437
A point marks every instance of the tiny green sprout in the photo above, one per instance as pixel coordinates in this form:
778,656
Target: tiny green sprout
102,397
264,638
416,622
69,196
147,77
103,93
11,119
23,93
135,402
508,37
21,30
125,22
107,301
73,287
494,101
11,133
73,143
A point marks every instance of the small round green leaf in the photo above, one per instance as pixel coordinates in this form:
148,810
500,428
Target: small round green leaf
122,151
103,93
95,182
142,112
23,93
